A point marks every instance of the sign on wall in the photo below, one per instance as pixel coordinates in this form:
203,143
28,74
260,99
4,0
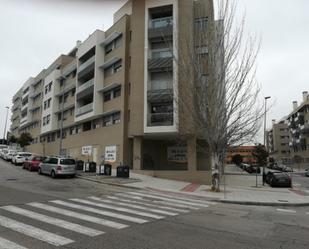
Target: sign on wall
177,154
110,153
87,150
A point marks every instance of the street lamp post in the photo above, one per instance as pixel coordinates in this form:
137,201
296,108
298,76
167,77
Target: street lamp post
265,104
6,120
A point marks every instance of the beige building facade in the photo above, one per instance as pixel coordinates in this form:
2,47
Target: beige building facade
115,96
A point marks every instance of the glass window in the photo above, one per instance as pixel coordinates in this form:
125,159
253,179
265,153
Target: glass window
67,161
107,121
109,48
117,92
107,96
117,66
116,118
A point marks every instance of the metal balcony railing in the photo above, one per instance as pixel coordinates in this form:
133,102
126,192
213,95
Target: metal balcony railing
161,53
84,109
160,119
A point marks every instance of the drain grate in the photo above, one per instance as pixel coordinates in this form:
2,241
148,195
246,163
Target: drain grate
283,200
12,179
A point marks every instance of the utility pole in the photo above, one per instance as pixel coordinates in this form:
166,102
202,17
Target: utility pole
266,98
6,120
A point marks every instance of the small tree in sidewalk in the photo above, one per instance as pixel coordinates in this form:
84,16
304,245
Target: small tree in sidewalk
260,154
25,139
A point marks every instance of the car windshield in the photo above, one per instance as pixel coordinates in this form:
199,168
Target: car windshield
25,155
67,161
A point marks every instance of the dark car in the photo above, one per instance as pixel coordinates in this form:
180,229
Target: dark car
33,163
253,169
270,174
279,179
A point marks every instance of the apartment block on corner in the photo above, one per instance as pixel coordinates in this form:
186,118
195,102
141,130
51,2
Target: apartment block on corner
115,96
277,141
298,123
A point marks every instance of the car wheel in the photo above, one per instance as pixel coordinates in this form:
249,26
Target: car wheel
39,171
53,174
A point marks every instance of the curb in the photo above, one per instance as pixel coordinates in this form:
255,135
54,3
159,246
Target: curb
271,204
107,183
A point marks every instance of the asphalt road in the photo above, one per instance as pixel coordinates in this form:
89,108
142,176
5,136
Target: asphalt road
37,212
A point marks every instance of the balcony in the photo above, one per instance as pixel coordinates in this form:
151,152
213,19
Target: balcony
87,66
23,120
160,119
84,109
304,129
160,90
160,27
85,86
160,59
24,107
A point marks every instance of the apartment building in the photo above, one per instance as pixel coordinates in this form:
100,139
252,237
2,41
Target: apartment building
298,123
278,139
115,96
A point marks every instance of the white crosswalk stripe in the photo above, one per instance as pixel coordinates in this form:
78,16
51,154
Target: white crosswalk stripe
160,202
133,206
54,221
34,232
126,210
101,212
6,244
78,215
169,199
147,204
191,200
128,207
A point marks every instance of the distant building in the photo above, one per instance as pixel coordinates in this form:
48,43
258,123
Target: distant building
245,151
298,123
277,142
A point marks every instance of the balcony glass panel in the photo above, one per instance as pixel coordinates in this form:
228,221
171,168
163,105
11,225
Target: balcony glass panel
86,64
161,53
84,109
161,22
156,85
84,86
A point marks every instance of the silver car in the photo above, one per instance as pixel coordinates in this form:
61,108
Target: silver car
58,166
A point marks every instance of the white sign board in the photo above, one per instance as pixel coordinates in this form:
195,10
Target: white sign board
177,154
87,150
110,153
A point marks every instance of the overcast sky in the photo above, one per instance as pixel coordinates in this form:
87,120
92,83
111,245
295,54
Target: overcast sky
35,32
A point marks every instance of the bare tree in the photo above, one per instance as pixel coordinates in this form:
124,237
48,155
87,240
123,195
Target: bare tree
223,99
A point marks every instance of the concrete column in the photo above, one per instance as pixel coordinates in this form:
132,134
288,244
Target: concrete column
191,154
137,153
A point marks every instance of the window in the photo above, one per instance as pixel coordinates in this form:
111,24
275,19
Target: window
107,96
201,23
117,92
116,118
109,48
48,87
73,92
53,160
117,66
87,126
107,121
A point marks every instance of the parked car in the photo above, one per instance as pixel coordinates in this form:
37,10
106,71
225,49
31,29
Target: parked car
253,169
307,172
8,156
270,174
281,180
3,152
32,164
287,169
20,157
58,166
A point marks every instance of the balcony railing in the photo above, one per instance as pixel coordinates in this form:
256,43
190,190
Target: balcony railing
23,120
84,109
157,85
86,64
161,22
161,53
160,119
86,85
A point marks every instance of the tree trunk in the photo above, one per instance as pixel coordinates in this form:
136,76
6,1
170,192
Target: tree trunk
215,172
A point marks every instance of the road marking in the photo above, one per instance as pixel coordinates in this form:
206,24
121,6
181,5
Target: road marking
126,210
191,187
101,212
133,206
34,232
147,204
159,202
169,199
54,221
181,198
286,210
6,244
78,215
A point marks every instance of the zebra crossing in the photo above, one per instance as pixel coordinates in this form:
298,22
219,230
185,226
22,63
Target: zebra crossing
90,216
